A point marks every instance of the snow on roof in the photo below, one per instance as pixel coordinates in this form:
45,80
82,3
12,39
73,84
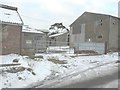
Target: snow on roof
58,34
8,15
44,30
31,30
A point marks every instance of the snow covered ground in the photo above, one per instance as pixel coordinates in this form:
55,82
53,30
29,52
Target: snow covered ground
51,66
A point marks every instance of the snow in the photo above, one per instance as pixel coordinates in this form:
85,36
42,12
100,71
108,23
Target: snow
87,75
31,30
9,16
41,69
58,34
112,84
44,30
45,69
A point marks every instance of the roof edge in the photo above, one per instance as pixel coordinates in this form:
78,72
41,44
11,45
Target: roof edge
8,7
93,13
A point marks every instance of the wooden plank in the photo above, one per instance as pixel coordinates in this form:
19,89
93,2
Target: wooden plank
12,64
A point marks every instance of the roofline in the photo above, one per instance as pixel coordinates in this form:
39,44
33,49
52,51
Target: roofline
11,8
11,23
76,19
8,7
95,13
103,14
32,32
57,35
20,18
44,31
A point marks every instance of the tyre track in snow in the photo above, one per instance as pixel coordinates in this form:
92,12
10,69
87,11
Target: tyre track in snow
80,74
97,82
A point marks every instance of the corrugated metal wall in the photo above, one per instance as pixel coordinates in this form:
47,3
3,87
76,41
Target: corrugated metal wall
100,48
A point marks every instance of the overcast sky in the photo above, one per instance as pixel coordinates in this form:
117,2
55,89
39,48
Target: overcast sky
42,13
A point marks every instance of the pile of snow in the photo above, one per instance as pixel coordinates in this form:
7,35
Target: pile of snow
40,69
44,69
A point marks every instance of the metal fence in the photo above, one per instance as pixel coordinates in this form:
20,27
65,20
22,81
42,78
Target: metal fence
100,48
63,47
48,47
57,43
60,49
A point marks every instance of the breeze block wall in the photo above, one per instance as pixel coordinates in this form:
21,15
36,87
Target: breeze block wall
11,39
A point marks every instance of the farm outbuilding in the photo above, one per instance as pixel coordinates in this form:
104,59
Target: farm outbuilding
95,28
33,40
59,39
10,30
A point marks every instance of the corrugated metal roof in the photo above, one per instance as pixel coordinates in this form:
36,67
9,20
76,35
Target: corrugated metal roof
9,16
